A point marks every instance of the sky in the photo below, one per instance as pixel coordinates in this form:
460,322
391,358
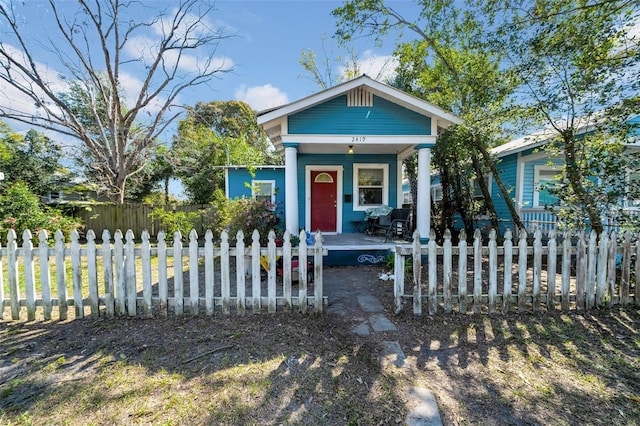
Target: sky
261,56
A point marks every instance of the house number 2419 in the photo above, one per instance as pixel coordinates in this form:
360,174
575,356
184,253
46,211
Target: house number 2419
358,139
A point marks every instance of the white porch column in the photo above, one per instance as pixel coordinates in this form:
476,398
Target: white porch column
291,188
423,203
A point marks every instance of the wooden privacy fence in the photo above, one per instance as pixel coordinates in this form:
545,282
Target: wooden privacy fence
572,271
135,217
119,277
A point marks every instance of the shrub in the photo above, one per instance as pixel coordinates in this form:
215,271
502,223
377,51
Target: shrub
20,209
247,214
172,221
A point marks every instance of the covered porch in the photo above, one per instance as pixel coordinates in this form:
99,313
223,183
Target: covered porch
359,248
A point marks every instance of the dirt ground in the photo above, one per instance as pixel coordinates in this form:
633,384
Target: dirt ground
517,369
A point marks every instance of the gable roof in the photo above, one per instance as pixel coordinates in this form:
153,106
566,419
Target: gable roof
273,119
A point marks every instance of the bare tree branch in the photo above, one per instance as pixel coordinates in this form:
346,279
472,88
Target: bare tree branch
89,100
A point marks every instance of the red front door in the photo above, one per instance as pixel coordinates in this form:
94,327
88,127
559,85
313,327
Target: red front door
324,202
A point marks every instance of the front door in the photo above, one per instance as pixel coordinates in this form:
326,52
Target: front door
324,200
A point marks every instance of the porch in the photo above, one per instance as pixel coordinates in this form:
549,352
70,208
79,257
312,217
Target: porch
359,248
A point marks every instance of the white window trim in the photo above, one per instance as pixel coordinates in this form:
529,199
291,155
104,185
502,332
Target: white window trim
256,183
536,181
435,189
385,184
627,201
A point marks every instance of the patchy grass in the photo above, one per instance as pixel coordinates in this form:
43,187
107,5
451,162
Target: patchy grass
294,369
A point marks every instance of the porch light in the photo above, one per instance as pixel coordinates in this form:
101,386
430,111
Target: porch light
350,149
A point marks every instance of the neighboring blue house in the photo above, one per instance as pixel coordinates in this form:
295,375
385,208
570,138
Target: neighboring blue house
524,167
343,149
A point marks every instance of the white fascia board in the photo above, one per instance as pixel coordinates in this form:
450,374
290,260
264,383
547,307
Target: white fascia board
368,139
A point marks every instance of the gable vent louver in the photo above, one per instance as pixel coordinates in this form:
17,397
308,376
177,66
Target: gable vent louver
359,97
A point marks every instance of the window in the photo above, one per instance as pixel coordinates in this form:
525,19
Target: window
436,193
264,190
633,186
544,180
371,183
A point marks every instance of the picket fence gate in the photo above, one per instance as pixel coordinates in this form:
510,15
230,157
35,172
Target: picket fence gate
121,263
589,273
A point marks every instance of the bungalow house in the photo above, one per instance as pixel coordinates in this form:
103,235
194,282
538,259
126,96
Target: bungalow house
524,167
343,149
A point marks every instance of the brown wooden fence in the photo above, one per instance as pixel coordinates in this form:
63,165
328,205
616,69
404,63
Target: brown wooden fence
134,217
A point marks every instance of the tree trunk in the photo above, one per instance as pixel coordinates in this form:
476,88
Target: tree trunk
488,201
498,180
574,175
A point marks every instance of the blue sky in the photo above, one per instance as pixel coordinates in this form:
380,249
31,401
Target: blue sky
271,36
268,38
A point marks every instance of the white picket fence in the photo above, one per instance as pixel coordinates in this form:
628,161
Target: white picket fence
119,277
573,271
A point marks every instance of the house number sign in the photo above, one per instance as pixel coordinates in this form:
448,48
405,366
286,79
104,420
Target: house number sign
358,138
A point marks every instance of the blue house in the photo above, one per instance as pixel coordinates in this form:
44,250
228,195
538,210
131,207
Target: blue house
525,166
343,149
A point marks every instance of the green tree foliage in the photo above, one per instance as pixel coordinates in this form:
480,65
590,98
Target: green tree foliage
33,159
448,63
577,63
20,209
216,134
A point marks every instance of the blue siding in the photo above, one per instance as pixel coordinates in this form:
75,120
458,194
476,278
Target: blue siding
335,118
347,161
508,170
240,184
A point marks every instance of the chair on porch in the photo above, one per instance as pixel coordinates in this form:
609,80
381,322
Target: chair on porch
393,224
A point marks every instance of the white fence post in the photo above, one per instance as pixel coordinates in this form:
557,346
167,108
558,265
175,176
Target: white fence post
76,274
29,275
522,270
163,297
302,262
118,256
92,274
433,273
286,270
477,271
417,274
318,284
107,264
240,274
591,271
225,269
145,255
61,275
625,276
12,274
601,278
130,274
462,272
194,276
552,259
178,279
256,284
447,271
581,271
209,273
271,276
507,285
566,271
493,271
45,275
537,269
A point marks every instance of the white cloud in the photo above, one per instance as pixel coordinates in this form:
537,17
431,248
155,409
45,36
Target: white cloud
262,97
381,68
